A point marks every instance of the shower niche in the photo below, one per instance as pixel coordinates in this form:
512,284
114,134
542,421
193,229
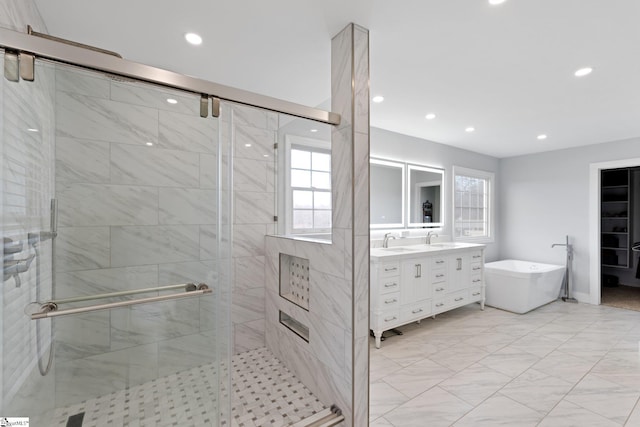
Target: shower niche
294,280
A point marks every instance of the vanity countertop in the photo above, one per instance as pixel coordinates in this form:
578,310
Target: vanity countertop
417,250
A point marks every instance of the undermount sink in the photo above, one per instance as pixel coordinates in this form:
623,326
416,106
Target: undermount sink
399,249
445,245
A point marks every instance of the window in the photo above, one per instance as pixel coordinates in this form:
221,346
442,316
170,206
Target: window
309,189
472,204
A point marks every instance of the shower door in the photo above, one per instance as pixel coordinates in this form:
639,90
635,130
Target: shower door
113,186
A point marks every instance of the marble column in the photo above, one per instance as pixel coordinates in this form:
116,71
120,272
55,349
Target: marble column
350,161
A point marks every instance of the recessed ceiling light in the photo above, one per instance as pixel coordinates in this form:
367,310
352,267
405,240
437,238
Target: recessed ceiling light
32,130
496,2
541,137
265,155
193,38
172,101
470,129
314,130
583,72
430,116
247,145
378,99
149,144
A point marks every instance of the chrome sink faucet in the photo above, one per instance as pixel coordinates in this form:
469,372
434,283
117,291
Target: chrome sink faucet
385,242
429,236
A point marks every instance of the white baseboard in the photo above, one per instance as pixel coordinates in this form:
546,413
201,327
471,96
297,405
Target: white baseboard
583,297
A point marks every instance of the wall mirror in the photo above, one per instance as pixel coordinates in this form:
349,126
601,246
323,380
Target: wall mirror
387,199
424,196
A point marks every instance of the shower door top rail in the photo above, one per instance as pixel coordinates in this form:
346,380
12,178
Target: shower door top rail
50,309
75,55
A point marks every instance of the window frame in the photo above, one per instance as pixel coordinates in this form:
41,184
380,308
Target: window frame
312,145
489,236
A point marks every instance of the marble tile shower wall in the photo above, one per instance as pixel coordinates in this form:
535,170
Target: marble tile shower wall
132,215
334,364
26,177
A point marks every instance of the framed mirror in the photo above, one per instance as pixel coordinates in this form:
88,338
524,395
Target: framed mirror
425,196
387,199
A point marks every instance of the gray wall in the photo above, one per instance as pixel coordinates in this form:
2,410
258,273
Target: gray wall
391,145
545,196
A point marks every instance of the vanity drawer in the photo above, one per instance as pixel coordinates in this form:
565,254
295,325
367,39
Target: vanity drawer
389,319
416,311
439,305
389,301
438,262
439,290
389,269
476,257
476,280
475,293
457,298
438,276
390,285
476,268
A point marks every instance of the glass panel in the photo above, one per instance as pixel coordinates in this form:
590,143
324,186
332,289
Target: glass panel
140,205
425,196
302,199
321,180
304,161
302,219
300,159
322,200
321,162
322,219
300,178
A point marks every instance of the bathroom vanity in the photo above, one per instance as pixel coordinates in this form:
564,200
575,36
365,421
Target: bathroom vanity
410,283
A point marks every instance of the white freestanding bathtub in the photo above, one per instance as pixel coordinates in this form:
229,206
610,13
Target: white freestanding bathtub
521,286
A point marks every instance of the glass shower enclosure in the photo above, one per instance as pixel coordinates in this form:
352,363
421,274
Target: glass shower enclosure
116,251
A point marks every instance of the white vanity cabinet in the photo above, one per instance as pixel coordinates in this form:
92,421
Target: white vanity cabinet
416,282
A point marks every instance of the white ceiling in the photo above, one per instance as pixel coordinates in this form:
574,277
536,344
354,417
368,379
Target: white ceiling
507,70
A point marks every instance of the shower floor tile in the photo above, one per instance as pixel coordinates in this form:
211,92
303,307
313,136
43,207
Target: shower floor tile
265,393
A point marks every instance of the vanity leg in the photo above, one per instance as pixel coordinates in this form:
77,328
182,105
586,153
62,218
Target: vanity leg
482,304
378,335
418,321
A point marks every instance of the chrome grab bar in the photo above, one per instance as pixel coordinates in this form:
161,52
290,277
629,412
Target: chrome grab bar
50,309
188,287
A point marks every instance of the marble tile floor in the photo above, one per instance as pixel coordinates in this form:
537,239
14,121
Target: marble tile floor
560,365
265,393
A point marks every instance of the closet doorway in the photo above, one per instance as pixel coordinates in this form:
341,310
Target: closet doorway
615,234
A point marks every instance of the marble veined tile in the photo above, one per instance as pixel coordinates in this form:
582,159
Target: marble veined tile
82,248
82,335
209,169
253,175
253,143
188,272
99,204
254,207
143,165
500,411
537,390
85,117
419,377
105,280
249,272
565,366
82,82
209,242
148,323
434,408
154,244
148,95
510,361
381,422
248,336
380,366
566,414
185,352
82,161
187,206
94,376
187,132
611,400
475,383
384,398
